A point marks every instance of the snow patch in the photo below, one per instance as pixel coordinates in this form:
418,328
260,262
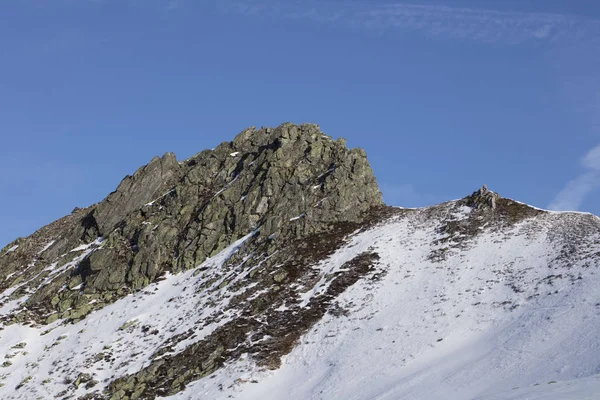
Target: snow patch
47,246
298,217
160,197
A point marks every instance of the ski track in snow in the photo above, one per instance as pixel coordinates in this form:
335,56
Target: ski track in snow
467,327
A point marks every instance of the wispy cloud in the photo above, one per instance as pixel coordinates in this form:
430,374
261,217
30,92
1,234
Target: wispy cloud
575,191
577,69
173,4
480,25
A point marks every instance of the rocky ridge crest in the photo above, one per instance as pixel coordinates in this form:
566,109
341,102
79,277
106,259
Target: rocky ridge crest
281,199
287,182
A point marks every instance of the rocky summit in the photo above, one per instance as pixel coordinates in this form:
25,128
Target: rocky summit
269,267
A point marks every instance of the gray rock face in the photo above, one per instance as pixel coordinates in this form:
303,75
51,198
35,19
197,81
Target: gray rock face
483,199
134,191
289,181
286,183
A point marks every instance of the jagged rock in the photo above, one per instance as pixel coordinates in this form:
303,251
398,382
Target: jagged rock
146,184
483,199
287,182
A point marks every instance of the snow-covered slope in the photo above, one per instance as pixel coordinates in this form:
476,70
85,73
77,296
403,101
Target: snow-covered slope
507,317
457,306
58,359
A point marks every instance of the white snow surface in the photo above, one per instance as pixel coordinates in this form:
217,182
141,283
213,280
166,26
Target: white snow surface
12,249
160,197
47,246
297,217
500,318
53,356
432,330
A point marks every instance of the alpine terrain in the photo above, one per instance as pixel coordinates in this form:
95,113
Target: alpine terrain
270,268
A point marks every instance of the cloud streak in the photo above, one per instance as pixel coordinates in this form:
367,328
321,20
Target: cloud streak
487,26
576,190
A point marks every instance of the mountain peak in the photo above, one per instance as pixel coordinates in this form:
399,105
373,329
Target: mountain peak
285,183
285,134
483,198
275,250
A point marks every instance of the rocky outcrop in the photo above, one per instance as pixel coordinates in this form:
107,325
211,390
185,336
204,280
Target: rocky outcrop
133,192
286,183
482,199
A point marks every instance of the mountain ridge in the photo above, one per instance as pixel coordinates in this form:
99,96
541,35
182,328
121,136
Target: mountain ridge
216,202
249,248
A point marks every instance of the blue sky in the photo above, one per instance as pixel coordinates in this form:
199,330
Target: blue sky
444,95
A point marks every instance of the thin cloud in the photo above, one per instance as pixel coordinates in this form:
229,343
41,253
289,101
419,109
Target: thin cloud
174,4
576,190
479,25
577,67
